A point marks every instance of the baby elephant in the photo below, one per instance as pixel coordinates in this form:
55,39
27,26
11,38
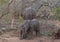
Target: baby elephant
35,26
24,29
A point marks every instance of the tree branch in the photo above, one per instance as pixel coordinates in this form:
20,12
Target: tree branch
7,10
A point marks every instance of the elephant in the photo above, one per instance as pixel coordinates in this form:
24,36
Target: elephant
35,26
29,27
29,14
24,29
57,35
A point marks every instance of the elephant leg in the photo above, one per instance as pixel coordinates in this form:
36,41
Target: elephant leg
37,32
21,35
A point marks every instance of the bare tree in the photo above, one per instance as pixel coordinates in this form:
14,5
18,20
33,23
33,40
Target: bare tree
6,11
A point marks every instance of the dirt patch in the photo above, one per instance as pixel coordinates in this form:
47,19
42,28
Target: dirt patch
11,37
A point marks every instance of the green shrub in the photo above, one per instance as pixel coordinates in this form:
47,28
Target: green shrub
2,2
56,11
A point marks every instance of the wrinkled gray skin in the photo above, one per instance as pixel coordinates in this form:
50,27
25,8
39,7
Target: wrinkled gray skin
35,26
29,27
24,29
29,13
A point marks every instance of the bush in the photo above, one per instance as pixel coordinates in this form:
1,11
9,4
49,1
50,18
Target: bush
47,28
56,11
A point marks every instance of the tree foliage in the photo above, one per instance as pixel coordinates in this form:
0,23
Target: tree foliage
56,10
2,2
